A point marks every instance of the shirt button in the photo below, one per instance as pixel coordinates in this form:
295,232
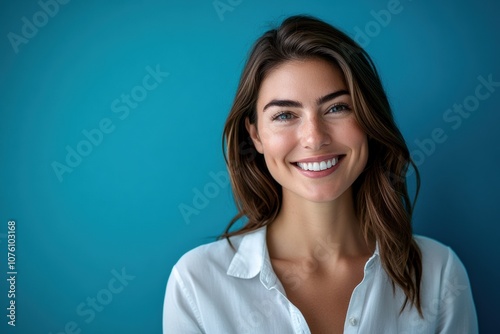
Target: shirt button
353,321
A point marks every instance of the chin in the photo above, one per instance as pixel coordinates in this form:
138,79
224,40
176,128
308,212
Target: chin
324,195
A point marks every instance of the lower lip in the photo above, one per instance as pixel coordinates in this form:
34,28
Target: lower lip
318,174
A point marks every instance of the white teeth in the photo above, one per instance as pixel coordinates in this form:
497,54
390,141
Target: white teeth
318,166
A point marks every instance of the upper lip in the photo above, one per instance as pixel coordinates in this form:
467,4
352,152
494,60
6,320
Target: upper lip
320,158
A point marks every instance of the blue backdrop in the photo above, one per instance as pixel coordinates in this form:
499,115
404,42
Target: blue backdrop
110,141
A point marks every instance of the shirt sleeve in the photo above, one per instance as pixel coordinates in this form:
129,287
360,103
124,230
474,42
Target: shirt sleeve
457,310
180,314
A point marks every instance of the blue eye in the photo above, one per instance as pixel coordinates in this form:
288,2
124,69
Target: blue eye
283,116
338,108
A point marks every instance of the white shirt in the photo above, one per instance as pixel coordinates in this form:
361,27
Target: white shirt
214,289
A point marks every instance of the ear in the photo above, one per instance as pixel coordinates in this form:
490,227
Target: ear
254,134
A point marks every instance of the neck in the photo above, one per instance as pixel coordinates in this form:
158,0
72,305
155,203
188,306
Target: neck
303,229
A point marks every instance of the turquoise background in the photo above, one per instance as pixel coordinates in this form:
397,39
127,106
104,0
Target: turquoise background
120,207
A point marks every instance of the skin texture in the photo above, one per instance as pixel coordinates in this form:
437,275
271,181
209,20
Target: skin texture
316,245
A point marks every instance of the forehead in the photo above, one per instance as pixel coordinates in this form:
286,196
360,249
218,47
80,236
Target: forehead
301,80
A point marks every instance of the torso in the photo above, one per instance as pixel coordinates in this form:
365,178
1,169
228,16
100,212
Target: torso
322,294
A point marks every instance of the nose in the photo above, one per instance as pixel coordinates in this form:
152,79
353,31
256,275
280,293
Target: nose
314,133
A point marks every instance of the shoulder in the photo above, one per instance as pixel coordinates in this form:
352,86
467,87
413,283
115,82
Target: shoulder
193,282
440,264
437,256
208,260
445,289
432,248
435,253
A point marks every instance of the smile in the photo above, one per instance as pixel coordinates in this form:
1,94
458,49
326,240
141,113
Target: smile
318,166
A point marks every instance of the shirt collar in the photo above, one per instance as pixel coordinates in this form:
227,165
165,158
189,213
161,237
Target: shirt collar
249,258
252,256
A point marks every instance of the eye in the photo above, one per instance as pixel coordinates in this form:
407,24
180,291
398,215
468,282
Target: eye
339,108
283,116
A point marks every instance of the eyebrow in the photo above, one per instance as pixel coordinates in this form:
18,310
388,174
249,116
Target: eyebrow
296,104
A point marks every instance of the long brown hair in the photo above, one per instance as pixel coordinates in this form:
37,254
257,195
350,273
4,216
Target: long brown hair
380,193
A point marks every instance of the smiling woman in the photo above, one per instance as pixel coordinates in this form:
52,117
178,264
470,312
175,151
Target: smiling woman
327,244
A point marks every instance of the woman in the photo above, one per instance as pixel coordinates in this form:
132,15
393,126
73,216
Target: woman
317,167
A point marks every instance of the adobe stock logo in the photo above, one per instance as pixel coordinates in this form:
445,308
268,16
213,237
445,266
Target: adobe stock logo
87,309
29,29
202,197
225,6
454,118
122,107
381,19
219,181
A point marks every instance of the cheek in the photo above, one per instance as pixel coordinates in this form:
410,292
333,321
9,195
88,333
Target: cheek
358,138
277,146
354,137
355,133
360,143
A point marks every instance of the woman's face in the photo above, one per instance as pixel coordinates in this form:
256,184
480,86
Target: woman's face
307,132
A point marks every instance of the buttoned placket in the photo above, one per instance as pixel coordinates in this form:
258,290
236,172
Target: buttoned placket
356,305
